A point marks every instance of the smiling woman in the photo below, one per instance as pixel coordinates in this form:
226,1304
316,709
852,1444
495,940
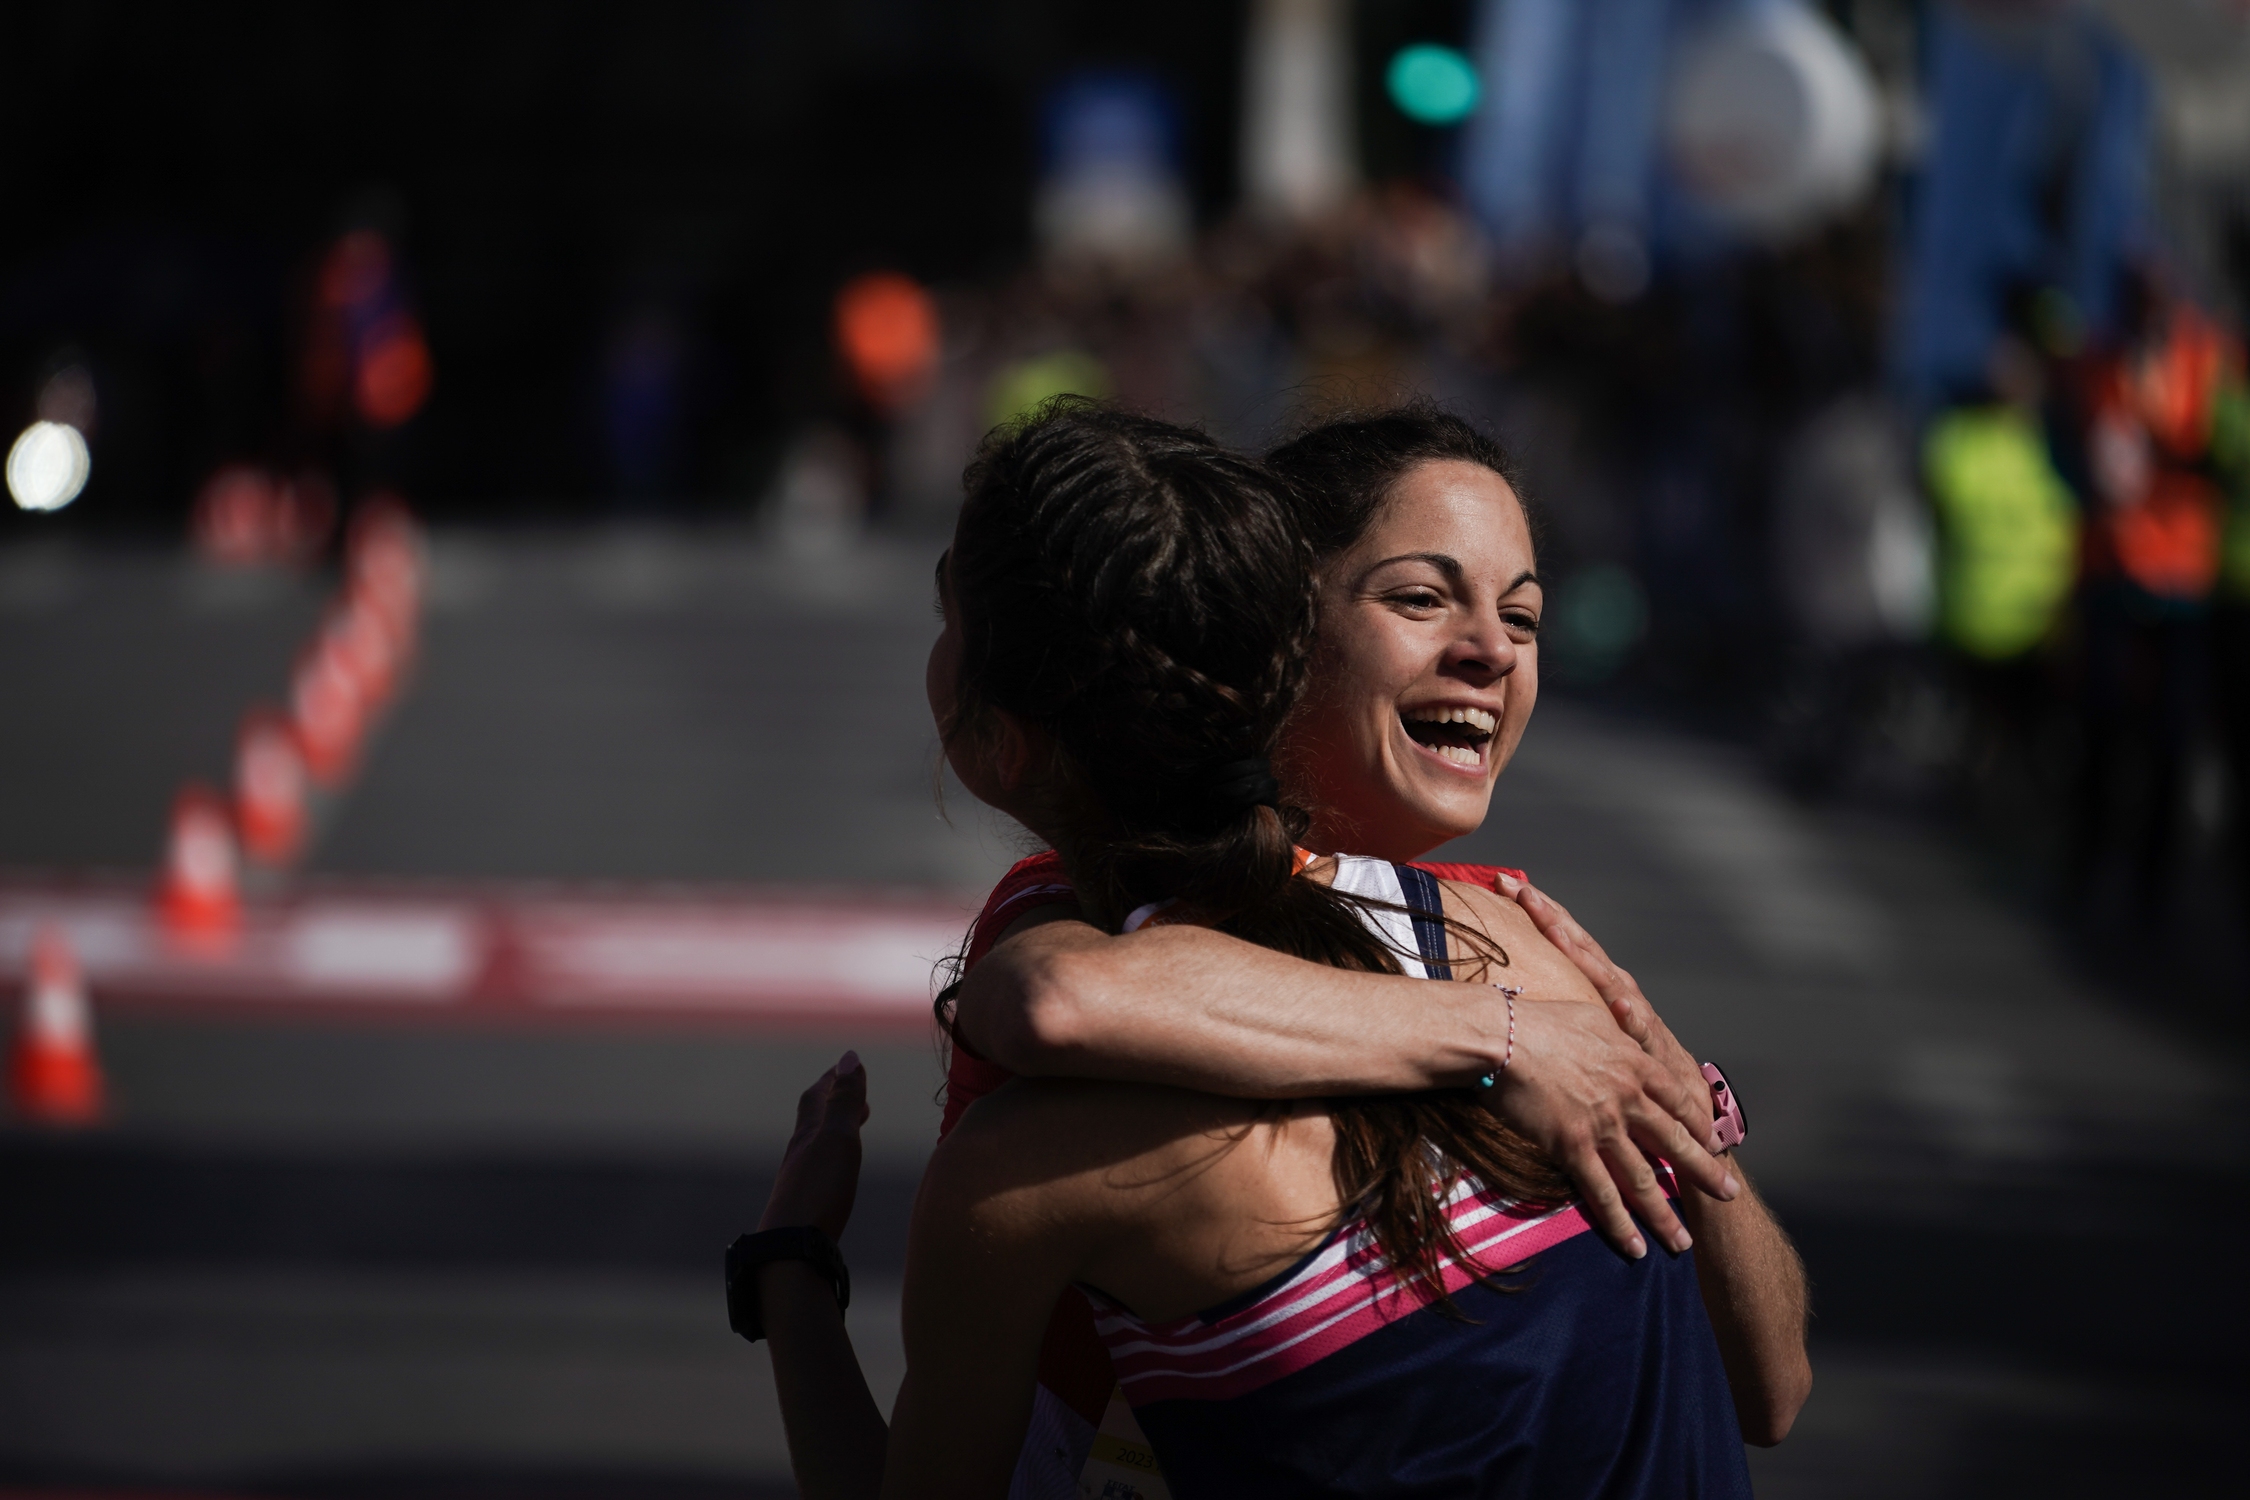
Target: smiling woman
1283,1298
1423,678
1430,606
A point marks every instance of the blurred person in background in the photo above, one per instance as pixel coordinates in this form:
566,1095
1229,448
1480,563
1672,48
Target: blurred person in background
365,370
1852,550
2153,405
2007,549
885,328
1312,1431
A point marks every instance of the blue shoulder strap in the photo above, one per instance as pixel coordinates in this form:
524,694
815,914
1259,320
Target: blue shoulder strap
1427,907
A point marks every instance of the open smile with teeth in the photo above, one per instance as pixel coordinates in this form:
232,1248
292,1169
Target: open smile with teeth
1458,735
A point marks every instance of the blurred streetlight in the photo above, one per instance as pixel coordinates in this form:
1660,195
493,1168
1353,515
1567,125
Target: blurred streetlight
887,331
48,466
1433,85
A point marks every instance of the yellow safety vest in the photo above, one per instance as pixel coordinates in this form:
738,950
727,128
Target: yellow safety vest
2009,529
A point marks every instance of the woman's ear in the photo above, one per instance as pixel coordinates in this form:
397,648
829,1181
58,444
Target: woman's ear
1017,749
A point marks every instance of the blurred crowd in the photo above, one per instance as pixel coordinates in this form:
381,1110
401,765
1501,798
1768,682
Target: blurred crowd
1875,367
2034,600
1945,498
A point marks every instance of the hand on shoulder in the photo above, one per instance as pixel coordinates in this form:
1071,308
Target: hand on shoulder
1543,971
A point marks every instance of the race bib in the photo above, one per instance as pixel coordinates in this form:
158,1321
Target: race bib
1122,1465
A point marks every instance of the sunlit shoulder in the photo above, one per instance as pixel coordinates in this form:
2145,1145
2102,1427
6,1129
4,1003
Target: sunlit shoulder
1541,969
1168,1199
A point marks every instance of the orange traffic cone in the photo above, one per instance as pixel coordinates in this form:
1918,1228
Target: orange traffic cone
385,565
199,902
269,788
54,1077
326,712
363,641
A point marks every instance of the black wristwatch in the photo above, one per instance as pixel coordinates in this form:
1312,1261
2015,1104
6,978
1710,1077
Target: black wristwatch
751,1251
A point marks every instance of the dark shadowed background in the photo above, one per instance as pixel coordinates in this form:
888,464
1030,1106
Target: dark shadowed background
1875,368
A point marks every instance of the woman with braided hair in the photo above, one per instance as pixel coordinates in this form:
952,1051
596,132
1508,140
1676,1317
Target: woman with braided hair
1425,675
1391,1294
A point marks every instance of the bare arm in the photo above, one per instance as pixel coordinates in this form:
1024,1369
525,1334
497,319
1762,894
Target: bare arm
1752,1280
991,1248
836,1432
1197,1009
1754,1289
981,1276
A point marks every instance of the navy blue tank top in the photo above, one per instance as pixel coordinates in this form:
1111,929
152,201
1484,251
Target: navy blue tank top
1574,1371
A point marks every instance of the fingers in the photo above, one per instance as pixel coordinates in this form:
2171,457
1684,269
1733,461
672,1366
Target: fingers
837,1098
1666,1049
1598,1102
1690,1108
1632,1020
1598,1198
1617,987
1691,1111
844,1098
1637,1181
1551,917
1559,927
1692,1163
1670,1125
812,1107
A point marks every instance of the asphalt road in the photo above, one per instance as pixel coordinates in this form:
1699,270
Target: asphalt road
315,1257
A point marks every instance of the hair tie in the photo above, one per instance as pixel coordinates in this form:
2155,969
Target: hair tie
1240,785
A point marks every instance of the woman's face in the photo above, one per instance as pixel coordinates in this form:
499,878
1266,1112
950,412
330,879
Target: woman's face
1427,669
964,751
992,758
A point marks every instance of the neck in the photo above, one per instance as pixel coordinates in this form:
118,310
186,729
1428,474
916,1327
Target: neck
1333,835
1090,902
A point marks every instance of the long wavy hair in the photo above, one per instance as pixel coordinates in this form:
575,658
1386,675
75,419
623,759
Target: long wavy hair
1147,598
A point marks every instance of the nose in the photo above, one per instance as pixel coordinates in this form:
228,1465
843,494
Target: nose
1482,653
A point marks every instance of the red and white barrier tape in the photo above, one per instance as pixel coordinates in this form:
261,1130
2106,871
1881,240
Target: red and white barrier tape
754,957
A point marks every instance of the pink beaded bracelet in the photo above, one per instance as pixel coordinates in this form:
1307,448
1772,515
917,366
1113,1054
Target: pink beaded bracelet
1510,991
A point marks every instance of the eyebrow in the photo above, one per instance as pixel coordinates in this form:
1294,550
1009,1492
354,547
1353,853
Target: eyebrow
1444,562
1450,566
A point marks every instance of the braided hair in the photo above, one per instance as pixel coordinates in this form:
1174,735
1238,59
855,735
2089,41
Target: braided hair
1147,598
1144,596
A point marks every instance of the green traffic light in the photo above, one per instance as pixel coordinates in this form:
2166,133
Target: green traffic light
1433,85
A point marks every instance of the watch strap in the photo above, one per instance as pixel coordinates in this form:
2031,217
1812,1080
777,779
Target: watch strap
1727,1119
750,1251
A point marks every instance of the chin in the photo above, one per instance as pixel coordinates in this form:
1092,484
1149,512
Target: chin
1410,827
1445,829
1446,818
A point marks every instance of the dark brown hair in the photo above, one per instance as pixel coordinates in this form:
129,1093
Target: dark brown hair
1343,469
1146,598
